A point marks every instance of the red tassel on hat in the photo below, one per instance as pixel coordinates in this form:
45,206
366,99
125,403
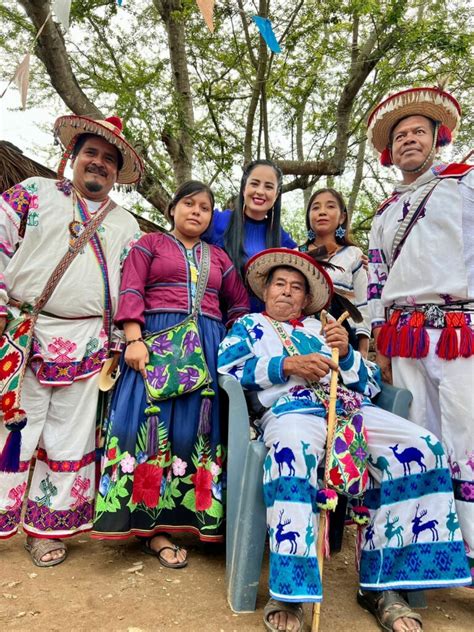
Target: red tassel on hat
115,120
444,136
421,341
387,338
386,158
447,347
466,343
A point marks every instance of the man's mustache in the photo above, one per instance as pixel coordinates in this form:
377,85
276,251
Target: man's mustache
95,169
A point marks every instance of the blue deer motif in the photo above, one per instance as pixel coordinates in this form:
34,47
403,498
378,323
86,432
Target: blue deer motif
390,532
309,459
407,456
369,535
285,455
452,523
437,450
289,535
417,527
267,469
309,537
256,333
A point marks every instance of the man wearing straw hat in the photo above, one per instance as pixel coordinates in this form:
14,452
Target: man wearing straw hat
41,221
277,354
421,278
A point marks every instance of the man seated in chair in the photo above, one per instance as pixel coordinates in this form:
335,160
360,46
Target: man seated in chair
412,539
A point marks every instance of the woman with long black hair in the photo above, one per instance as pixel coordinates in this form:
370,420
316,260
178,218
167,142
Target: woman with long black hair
254,225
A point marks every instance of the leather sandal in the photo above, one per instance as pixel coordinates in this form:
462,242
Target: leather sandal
39,547
158,553
387,606
274,606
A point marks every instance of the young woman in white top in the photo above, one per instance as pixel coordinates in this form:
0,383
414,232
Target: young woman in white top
327,223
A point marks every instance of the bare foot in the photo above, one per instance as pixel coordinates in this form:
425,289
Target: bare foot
284,621
170,555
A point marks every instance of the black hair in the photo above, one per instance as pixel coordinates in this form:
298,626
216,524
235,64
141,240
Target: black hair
188,189
234,235
272,271
342,241
79,144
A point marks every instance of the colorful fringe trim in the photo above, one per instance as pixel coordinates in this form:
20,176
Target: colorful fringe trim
411,340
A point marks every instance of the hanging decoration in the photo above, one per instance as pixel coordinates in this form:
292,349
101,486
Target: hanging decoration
21,77
62,9
266,31
207,9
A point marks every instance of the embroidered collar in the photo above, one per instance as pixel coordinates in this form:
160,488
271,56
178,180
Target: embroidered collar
294,322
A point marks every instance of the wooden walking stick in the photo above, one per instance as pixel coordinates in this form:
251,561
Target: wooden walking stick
331,428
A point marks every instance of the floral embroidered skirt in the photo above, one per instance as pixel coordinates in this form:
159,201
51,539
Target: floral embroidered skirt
178,490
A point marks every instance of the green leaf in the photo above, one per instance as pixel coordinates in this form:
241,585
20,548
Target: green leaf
189,500
216,510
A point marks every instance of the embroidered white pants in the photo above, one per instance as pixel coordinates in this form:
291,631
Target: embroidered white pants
413,540
62,425
443,402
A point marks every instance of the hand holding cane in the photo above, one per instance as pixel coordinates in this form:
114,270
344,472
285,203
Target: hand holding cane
331,427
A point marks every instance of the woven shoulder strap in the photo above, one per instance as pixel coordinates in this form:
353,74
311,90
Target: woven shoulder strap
410,218
293,351
203,276
70,255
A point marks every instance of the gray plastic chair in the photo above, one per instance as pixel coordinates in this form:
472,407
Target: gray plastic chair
246,512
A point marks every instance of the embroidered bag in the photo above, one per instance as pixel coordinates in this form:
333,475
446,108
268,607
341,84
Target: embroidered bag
15,344
347,464
177,365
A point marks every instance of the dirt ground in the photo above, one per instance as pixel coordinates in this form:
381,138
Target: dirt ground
116,587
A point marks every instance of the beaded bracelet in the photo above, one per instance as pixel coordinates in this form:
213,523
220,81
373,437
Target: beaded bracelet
129,342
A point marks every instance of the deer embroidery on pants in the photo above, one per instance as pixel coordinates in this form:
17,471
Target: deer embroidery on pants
381,464
391,532
309,538
452,523
309,459
418,527
284,456
437,450
289,535
407,456
267,469
369,535
454,467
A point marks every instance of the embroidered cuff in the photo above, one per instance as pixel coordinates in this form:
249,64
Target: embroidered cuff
347,361
275,370
376,324
117,346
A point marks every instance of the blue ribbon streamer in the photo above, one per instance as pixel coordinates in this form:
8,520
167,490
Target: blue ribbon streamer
265,27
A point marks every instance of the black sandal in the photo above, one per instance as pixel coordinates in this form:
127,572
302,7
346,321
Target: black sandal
163,561
387,606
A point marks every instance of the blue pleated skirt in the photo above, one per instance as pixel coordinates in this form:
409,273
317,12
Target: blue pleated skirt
181,489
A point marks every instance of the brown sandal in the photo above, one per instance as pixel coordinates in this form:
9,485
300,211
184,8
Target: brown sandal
387,606
39,547
274,606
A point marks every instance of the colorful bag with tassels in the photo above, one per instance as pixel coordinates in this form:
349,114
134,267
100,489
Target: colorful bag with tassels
15,344
177,365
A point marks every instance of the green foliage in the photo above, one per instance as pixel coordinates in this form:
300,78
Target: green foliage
121,59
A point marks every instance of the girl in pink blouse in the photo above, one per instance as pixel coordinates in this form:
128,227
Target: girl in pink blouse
181,490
